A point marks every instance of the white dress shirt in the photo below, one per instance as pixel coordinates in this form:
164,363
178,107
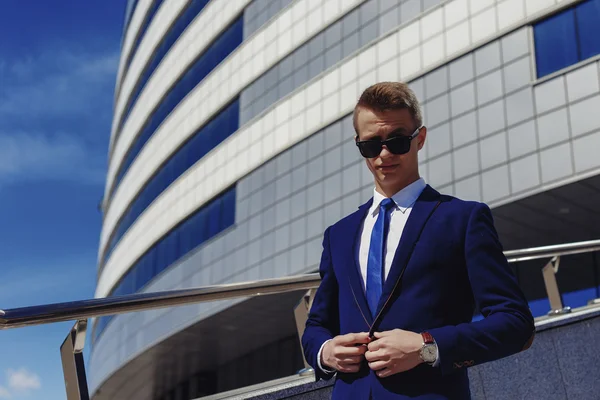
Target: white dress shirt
403,201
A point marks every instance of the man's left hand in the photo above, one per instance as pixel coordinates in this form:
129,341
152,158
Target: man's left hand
394,351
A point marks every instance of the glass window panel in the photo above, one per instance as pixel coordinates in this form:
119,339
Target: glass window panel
142,32
316,46
148,269
170,249
555,43
127,283
229,209
188,155
214,219
117,291
208,221
588,28
170,38
300,56
219,50
199,229
142,272
161,258
175,244
286,66
333,34
185,238
203,141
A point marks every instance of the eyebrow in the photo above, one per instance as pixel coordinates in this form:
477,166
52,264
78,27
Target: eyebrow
395,132
398,130
392,133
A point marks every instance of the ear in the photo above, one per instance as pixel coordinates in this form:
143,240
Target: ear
422,137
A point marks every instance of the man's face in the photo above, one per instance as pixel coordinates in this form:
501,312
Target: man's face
391,170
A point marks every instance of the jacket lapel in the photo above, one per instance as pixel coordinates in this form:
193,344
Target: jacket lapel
352,228
422,209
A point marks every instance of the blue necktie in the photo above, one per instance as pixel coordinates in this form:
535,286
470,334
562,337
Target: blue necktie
377,256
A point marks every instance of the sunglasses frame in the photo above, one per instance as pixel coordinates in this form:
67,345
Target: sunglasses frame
383,142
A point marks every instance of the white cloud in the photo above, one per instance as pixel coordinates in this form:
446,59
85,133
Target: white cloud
59,157
4,393
55,113
62,83
22,380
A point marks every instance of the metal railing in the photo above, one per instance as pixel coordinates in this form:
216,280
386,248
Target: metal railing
80,311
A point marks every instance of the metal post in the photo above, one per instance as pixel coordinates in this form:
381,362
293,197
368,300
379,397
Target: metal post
71,353
549,272
595,301
301,314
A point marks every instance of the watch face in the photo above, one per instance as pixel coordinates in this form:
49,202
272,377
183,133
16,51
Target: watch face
429,353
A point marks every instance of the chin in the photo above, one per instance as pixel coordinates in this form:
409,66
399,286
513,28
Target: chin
388,179
389,176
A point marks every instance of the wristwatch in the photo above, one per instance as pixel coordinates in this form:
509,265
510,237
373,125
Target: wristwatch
429,350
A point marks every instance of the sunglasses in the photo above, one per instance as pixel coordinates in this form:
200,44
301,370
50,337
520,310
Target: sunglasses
395,145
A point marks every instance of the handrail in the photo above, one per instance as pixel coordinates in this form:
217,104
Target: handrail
535,253
77,310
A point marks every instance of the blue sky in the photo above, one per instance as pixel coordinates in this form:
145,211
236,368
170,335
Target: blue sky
58,64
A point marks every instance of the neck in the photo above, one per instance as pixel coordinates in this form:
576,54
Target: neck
390,190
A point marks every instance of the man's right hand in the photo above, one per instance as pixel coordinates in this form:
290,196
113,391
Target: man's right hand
344,353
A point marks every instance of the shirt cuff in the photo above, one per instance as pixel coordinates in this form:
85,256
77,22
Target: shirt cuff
325,370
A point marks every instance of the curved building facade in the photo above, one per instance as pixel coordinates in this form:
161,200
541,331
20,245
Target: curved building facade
232,150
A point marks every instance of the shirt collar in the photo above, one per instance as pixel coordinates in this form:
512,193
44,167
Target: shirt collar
404,199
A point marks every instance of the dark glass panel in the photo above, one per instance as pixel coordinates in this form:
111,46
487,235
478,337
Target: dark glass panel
206,222
588,28
555,43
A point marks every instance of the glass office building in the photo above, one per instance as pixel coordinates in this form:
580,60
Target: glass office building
232,150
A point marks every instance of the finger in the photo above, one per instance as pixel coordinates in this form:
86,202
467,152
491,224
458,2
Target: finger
379,335
351,360
349,368
378,365
384,373
377,344
354,338
375,355
342,351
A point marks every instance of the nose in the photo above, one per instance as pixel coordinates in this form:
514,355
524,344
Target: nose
385,152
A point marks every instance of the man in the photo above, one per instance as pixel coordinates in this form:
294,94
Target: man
401,277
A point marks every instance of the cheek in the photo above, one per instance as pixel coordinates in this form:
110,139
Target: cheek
371,164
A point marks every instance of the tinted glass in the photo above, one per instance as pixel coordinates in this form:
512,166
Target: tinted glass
588,28
208,221
129,10
141,33
229,40
555,43
205,139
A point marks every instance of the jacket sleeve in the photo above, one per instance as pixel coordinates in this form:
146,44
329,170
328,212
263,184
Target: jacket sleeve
323,319
507,327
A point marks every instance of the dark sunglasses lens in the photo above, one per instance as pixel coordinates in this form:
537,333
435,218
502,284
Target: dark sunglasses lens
398,145
370,149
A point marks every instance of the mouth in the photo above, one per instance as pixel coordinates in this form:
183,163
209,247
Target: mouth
387,168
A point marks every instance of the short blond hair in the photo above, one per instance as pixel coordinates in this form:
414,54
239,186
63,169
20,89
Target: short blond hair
385,96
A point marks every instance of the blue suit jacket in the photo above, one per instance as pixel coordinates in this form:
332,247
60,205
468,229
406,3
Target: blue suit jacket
449,260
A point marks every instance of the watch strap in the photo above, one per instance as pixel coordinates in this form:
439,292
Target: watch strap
427,338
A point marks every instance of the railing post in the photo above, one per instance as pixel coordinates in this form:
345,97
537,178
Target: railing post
595,301
301,314
549,272
71,354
